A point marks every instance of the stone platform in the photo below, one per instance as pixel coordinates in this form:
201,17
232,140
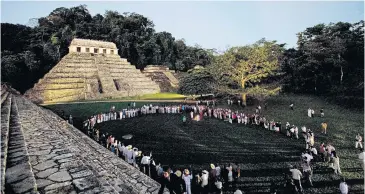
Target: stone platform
163,76
41,153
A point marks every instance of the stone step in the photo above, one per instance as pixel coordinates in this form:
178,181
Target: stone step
4,97
57,86
5,118
72,75
77,60
172,78
78,65
66,98
65,80
19,177
134,79
51,94
76,69
129,75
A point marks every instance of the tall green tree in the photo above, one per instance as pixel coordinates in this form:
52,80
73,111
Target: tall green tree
248,66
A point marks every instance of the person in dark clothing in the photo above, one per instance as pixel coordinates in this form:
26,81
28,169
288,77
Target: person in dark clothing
212,177
273,188
153,170
172,182
290,187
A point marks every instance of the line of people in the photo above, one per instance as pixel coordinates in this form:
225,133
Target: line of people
167,177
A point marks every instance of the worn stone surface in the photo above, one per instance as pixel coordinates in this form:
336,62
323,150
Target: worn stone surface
43,182
57,186
60,176
80,174
62,156
45,165
64,160
85,183
46,173
26,184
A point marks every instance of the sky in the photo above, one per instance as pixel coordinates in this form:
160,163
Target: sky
215,24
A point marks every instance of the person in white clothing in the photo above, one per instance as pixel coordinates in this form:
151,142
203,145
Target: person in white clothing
145,162
296,132
307,157
336,163
187,177
314,151
307,170
129,155
296,176
204,180
309,112
358,140
344,188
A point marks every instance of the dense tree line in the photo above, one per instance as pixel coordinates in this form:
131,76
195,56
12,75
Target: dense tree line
30,52
329,59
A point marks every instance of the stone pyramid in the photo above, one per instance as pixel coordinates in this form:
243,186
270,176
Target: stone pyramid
91,70
163,76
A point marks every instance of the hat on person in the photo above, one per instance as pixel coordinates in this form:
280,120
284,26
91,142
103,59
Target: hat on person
205,172
186,171
178,173
238,192
212,166
129,147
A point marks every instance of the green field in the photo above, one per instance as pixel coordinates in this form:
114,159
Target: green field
204,140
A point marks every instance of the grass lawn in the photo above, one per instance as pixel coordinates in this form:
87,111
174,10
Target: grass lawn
263,155
162,96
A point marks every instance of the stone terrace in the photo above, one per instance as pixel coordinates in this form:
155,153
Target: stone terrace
163,76
41,153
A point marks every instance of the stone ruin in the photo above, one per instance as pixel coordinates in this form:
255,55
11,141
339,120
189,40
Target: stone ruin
91,70
42,153
163,76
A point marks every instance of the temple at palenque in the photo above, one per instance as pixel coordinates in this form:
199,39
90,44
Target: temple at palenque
91,70
163,76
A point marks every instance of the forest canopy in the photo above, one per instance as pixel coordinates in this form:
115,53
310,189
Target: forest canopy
328,60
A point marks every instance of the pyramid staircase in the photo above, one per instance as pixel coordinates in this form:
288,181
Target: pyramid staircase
163,76
84,76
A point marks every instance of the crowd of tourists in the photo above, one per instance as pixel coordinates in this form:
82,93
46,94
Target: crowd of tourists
215,177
